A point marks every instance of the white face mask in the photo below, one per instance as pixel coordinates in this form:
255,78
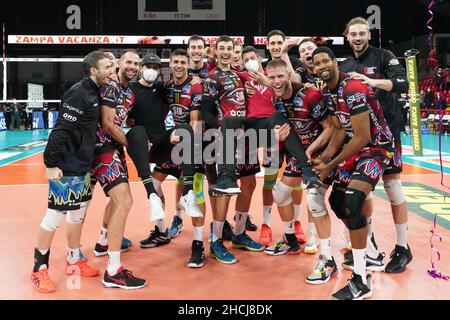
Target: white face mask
150,75
252,65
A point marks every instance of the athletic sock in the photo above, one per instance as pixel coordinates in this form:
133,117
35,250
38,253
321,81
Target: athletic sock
198,233
41,257
114,263
148,184
359,260
297,208
103,239
325,248
402,234
217,230
73,255
267,215
161,224
188,182
241,218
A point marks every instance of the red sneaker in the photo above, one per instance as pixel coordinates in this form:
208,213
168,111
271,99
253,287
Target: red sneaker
81,268
266,235
42,282
301,238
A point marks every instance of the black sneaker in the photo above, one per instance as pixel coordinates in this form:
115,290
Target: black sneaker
225,185
249,225
354,290
310,178
123,279
155,239
400,257
102,250
372,264
197,259
227,232
348,255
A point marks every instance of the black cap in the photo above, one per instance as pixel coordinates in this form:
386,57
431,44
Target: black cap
151,59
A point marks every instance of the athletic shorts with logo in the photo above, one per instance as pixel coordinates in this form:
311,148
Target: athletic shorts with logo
110,169
396,164
69,192
367,166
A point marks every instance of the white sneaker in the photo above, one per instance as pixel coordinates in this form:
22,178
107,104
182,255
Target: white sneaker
188,203
312,244
156,207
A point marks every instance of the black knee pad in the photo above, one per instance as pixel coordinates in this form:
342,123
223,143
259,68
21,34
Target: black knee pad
354,201
336,201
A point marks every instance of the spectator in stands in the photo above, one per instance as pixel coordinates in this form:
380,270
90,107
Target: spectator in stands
45,114
15,121
422,98
429,99
29,118
439,102
8,113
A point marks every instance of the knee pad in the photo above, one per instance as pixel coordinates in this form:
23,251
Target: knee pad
52,219
354,201
270,178
157,186
282,194
394,191
77,216
316,202
336,201
369,195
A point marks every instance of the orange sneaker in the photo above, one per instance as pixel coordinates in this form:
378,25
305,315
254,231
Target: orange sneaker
301,238
81,268
265,237
42,282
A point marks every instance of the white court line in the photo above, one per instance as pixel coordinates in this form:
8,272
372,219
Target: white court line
31,155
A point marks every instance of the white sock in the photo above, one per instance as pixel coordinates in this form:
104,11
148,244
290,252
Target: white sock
198,233
178,213
288,227
161,224
297,208
73,255
103,239
371,251
312,228
402,234
217,230
325,248
359,260
267,215
114,263
241,218
369,226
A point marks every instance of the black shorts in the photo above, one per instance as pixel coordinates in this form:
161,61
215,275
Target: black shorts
396,163
367,166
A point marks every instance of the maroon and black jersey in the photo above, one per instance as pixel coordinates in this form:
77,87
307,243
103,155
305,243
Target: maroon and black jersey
113,95
183,99
202,72
305,109
226,90
351,97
